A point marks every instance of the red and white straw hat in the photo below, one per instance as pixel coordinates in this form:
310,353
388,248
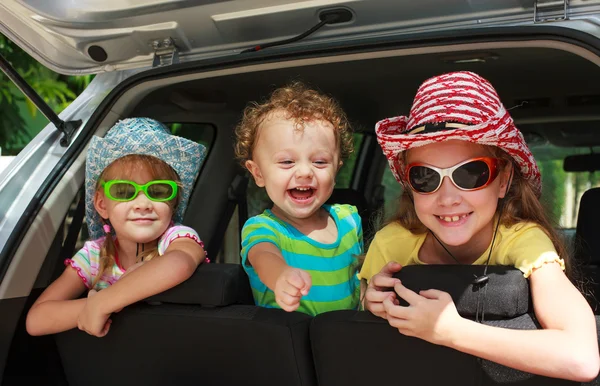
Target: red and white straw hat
441,108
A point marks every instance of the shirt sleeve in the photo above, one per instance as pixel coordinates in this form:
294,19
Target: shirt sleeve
257,230
359,229
374,261
530,249
82,263
174,233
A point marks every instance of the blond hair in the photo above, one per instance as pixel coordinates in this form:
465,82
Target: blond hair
299,103
122,168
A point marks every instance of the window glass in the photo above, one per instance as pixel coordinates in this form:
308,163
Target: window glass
202,133
20,120
561,191
344,176
391,193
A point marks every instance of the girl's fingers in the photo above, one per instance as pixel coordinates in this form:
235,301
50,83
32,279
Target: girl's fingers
379,281
390,268
394,310
372,295
375,308
433,294
410,296
400,324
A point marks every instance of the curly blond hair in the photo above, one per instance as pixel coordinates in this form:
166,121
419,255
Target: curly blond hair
299,103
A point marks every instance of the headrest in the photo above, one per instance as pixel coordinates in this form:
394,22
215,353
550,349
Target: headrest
349,196
506,294
588,227
211,285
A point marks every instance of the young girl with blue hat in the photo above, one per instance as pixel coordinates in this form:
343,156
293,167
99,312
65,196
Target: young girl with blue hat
138,181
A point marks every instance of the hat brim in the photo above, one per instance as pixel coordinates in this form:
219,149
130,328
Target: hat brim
394,139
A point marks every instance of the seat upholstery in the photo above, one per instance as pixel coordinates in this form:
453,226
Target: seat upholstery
356,348
176,342
587,245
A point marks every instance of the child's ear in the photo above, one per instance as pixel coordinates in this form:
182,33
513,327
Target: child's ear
100,205
339,166
505,180
255,171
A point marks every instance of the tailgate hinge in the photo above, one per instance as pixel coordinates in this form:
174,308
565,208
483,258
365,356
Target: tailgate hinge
550,10
165,52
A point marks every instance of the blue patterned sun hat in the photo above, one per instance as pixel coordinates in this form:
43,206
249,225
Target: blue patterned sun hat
142,136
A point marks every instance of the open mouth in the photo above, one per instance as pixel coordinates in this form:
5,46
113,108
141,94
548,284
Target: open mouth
453,219
301,194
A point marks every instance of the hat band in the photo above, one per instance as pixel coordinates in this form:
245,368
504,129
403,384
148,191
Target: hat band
436,126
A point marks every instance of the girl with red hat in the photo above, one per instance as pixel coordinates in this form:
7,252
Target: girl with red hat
471,196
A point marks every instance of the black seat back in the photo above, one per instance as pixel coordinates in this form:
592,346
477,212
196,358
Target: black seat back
587,245
387,357
195,334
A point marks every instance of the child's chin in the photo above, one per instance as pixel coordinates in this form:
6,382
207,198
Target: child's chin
454,239
303,213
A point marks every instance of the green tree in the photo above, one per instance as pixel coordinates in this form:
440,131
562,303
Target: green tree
553,187
16,110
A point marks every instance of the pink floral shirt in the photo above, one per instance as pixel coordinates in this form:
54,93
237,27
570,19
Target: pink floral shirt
87,260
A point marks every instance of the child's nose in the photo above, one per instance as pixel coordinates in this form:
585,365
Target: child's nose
448,194
304,170
142,202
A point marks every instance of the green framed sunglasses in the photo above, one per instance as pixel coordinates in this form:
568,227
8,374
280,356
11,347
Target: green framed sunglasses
124,190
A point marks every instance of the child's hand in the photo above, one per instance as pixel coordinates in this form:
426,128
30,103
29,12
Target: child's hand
376,294
291,285
91,319
431,315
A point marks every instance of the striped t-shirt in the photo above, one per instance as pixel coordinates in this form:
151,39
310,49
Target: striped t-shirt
87,260
332,267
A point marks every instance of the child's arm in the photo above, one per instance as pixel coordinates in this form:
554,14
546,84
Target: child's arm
567,347
289,284
179,262
55,310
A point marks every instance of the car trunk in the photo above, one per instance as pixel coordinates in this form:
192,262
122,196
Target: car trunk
548,81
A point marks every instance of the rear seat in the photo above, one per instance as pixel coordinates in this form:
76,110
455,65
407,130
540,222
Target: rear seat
356,348
208,332
204,332
587,244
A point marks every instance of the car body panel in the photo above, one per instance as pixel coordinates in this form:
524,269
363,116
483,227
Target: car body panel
128,34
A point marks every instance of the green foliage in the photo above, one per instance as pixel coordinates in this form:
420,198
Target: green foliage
553,188
344,176
17,113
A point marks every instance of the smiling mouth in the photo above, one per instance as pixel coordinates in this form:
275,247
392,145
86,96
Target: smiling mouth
301,193
453,218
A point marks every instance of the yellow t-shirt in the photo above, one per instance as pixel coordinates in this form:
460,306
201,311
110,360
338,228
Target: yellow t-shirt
524,246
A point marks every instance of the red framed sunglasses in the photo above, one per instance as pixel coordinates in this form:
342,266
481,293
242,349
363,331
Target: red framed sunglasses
472,174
